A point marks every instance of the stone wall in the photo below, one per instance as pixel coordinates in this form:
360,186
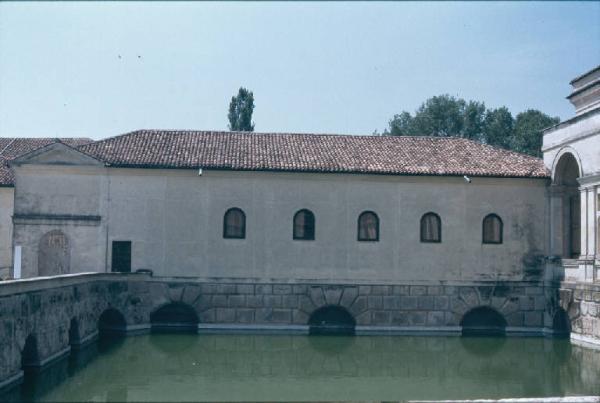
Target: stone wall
581,301
51,315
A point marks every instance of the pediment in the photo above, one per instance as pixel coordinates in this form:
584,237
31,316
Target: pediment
56,154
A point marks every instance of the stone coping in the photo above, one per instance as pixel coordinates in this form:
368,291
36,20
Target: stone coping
11,287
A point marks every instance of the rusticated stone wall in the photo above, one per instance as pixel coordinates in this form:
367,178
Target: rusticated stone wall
41,319
581,301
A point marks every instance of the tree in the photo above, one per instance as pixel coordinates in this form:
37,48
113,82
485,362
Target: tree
439,116
240,111
498,127
400,125
473,121
527,136
446,116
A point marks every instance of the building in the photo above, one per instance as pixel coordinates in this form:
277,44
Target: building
281,206
9,149
572,154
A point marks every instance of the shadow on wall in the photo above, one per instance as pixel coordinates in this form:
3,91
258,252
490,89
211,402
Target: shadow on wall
483,321
174,317
331,320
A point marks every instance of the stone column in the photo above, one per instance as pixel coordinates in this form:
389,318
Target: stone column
588,232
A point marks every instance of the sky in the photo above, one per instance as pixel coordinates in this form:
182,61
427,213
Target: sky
102,69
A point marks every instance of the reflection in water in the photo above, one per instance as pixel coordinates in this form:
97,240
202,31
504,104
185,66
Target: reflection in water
186,367
483,346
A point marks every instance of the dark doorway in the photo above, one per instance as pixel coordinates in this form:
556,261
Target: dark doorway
566,176
121,256
174,317
30,356
561,323
74,339
331,320
483,321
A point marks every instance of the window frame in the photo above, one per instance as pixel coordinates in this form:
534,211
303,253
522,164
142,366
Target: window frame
439,228
230,210
483,240
295,237
358,238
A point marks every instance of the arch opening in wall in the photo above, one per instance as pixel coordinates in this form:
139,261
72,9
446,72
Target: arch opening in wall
234,224
565,175
54,254
483,321
174,317
30,357
331,320
74,337
492,229
304,225
112,322
368,227
561,324
431,228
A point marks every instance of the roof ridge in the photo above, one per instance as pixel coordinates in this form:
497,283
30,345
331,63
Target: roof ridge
238,132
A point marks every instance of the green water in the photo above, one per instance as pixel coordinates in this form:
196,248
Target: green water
185,367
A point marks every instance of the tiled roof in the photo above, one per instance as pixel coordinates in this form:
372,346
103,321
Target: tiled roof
11,148
312,153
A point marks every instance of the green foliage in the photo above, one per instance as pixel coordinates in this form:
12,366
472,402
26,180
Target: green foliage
240,111
447,116
527,136
498,127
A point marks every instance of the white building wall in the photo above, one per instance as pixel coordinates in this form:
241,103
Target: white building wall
174,219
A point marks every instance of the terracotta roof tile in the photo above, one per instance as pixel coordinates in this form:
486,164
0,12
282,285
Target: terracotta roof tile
312,153
11,148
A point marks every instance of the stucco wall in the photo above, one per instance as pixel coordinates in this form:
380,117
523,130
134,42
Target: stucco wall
6,210
42,192
174,219
581,137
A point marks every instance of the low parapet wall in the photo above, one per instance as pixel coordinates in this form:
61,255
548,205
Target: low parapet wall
582,303
43,318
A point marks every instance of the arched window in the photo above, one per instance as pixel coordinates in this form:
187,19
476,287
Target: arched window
368,226
304,225
431,228
234,224
492,229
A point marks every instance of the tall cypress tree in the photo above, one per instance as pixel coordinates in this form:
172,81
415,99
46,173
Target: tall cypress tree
240,111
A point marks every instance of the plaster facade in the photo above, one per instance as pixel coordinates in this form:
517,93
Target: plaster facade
174,219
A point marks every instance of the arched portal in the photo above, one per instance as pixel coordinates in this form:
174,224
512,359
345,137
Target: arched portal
176,316
112,322
331,319
483,321
565,176
54,254
30,355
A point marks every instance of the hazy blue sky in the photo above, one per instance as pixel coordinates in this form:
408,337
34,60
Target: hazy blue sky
91,69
